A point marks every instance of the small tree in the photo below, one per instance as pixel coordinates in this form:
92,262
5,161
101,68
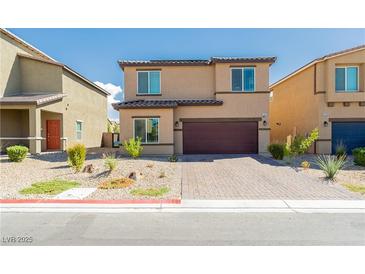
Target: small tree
133,147
116,128
300,144
109,127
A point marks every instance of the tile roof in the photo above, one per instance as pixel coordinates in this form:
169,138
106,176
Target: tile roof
243,59
166,103
124,63
36,99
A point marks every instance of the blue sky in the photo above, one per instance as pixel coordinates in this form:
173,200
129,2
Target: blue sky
94,52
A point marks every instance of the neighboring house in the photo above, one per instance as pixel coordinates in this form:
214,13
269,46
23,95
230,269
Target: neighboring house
219,105
45,104
327,93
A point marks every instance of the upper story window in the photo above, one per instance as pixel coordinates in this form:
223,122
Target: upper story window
347,79
149,82
243,79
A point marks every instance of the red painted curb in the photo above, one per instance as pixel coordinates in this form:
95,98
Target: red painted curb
54,201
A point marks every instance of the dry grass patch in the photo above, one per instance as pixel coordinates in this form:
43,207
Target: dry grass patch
116,183
355,188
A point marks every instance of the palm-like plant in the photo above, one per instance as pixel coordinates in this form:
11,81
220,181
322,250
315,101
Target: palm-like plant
330,165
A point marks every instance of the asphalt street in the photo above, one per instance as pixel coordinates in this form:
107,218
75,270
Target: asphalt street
194,228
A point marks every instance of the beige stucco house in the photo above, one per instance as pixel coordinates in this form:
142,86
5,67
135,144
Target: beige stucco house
45,104
220,105
327,93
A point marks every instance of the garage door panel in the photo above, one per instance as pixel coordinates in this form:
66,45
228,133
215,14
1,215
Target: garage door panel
219,137
352,134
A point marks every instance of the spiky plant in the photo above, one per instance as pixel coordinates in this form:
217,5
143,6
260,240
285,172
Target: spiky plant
330,165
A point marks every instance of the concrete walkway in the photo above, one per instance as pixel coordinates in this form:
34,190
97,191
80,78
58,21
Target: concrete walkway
219,177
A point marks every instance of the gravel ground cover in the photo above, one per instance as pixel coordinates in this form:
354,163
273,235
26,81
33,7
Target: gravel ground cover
350,174
46,166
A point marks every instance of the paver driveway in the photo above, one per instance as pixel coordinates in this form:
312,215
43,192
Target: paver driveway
250,177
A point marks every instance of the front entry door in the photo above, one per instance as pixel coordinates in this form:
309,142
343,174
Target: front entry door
53,134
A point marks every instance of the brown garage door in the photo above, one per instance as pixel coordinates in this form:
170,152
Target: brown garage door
219,137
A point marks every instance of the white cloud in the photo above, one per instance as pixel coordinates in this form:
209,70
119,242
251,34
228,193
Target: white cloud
116,95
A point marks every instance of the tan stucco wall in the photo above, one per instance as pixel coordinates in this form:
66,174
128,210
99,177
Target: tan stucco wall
10,65
82,102
223,76
294,104
176,82
38,77
166,137
294,108
193,82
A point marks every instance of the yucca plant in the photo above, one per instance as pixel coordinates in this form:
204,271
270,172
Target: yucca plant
340,149
330,165
110,162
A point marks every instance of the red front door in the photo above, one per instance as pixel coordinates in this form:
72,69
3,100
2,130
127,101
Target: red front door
53,134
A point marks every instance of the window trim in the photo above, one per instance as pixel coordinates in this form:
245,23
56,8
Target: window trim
146,118
148,82
358,78
243,79
82,127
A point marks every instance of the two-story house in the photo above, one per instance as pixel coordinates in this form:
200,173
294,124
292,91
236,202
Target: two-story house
45,104
219,105
327,93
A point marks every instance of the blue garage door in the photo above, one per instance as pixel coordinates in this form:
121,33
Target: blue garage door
352,134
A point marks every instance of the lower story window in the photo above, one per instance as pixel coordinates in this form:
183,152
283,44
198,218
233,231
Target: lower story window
146,129
78,130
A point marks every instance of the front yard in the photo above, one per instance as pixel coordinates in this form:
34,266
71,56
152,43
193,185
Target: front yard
351,177
156,178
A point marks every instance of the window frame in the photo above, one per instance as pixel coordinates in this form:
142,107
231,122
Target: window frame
146,124
148,82
358,79
79,131
243,78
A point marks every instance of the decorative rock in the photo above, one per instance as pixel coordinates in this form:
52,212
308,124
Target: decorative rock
89,168
135,176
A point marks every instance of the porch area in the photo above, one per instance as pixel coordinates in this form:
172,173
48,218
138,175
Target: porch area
31,126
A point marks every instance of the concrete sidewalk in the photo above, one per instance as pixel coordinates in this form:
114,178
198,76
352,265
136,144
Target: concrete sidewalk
303,206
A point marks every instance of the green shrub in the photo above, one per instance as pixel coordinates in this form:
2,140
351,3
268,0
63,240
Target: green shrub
277,151
17,153
172,158
359,156
110,162
300,144
76,156
340,149
133,147
330,165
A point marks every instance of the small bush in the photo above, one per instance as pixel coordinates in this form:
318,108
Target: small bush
76,156
172,158
359,156
340,149
133,147
330,165
277,151
110,162
305,164
17,153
